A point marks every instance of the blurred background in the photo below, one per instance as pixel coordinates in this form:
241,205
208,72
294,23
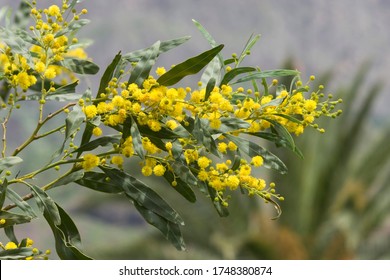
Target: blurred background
337,199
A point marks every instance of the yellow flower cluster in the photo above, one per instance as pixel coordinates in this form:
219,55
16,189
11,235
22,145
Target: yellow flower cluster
26,243
155,107
49,46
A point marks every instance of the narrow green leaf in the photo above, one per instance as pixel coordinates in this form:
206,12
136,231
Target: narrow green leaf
222,210
98,182
188,67
8,162
22,205
138,192
252,149
247,48
67,237
73,121
209,88
16,254
101,141
10,233
267,74
145,64
165,46
73,26
212,72
80,66
202,135
46,204
107,76
230,125
290,118
3,192
183,188
184,173
70,178
12,219
234,73
170,230
137,140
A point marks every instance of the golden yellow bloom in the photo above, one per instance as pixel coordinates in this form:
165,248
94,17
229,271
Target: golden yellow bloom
90,111
233,182
147,170
118,160
310,105
2,221
50,72
203,162
90,161
40,67
159,170
160,71
29,242
11,245
222,147
97,131
54,11
232,146
257,161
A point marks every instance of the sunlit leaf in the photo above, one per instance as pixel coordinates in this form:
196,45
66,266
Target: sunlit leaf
188,67
137,140
234,73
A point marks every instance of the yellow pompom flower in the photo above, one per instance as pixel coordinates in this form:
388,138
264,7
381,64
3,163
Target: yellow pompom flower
203,162
90,111
118,160
10,246
310,105
40,67
160,71
90,161
146,170
257,161
97,131
50,73
159,170
54,11
232,146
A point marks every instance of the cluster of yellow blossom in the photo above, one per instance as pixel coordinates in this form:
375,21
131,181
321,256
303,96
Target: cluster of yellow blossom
50,44
34,254
155,108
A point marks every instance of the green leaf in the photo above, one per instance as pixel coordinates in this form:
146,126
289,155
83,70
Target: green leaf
12,219
248,46
80,66
181,187
286,140
165,46
101,141
267,74
8,162
230,124
184,173
209,88
212,72
61,94
252,149
73,121
73,26
67,237
138,192
145,64
10,233
3,192
234,73
170,230
46,204
202,135
137,140
16,254
107,76
222,210
188,67
22,205
98,182
70,178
